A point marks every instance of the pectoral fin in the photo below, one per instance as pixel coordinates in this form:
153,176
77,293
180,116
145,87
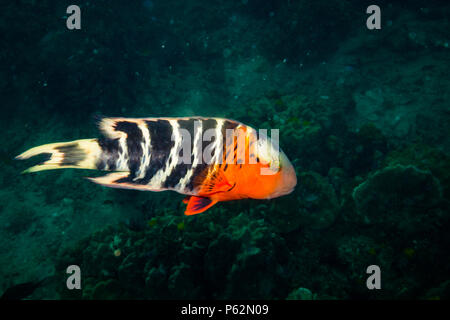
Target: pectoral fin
198,205
186,199
212,182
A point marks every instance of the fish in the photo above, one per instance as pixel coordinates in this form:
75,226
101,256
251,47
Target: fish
209,160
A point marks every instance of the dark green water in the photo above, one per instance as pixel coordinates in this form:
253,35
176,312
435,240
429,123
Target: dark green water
363,116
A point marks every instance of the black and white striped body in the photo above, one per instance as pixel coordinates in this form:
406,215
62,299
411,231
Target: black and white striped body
150,151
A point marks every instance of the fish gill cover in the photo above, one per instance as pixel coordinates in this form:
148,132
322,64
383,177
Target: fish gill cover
363,116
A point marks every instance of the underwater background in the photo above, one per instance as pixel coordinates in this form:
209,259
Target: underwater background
364,115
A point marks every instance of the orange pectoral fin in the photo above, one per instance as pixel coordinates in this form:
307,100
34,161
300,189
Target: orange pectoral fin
186,199
198,205
213,183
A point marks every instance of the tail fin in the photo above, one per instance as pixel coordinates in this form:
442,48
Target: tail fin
81,154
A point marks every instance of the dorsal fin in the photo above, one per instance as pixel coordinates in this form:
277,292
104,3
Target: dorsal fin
107,127
111,127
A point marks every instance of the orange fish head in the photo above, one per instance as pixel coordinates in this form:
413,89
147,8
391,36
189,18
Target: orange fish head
280,174
276,174
288,179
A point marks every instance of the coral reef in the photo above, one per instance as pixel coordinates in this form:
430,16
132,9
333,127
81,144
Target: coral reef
363,115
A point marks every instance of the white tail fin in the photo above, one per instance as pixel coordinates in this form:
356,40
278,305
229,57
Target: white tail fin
81,154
